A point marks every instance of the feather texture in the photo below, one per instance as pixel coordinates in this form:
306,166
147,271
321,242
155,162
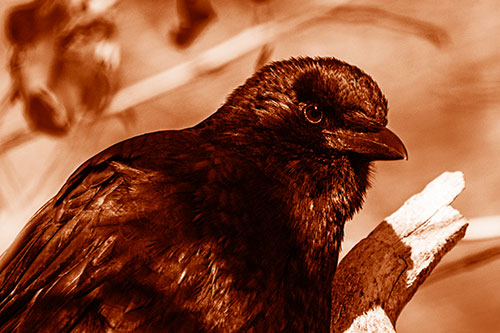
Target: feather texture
234,224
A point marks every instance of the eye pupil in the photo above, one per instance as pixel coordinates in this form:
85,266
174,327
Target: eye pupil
313,114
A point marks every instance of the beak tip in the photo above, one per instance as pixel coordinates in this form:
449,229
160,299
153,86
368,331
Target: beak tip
403,153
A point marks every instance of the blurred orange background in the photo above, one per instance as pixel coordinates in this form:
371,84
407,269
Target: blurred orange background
437,62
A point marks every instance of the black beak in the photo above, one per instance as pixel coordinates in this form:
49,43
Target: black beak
379,145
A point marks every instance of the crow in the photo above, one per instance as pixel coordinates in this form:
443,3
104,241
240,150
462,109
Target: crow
234,224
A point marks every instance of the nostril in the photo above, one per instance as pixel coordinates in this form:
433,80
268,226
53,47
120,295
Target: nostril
46,114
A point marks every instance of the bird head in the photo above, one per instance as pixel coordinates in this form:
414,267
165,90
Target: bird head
345,111
321,107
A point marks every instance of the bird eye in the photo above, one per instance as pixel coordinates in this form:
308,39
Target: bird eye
313,114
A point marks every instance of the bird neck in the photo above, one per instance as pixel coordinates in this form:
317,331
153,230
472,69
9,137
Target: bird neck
321,199
318,203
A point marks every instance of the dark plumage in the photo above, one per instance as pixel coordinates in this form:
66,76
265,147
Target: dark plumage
230,225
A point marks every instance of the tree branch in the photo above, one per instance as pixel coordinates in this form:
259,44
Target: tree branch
378,277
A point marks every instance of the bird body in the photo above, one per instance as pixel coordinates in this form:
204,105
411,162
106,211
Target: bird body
233,224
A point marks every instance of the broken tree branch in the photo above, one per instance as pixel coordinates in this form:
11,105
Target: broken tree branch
378,277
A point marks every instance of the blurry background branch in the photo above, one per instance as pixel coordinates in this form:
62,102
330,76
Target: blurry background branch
380,275
258,36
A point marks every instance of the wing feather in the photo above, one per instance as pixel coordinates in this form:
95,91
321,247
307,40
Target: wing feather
60,266
119,246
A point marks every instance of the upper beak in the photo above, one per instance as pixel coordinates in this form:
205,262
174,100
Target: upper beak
379,145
